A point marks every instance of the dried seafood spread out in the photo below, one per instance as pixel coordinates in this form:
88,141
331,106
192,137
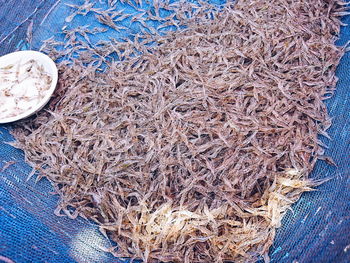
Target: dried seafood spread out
23,85
190,149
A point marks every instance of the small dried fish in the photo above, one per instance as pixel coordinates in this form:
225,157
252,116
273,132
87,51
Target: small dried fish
7,165
81,10
29,34
107,20
191,145
327,159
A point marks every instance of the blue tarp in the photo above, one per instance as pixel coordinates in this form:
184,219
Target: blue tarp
317,229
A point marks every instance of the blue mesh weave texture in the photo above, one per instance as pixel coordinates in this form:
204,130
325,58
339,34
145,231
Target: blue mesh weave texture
316,229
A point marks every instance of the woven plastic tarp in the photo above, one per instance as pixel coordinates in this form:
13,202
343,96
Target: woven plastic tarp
316,229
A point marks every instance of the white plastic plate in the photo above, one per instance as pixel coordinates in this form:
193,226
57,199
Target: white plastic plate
49,67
